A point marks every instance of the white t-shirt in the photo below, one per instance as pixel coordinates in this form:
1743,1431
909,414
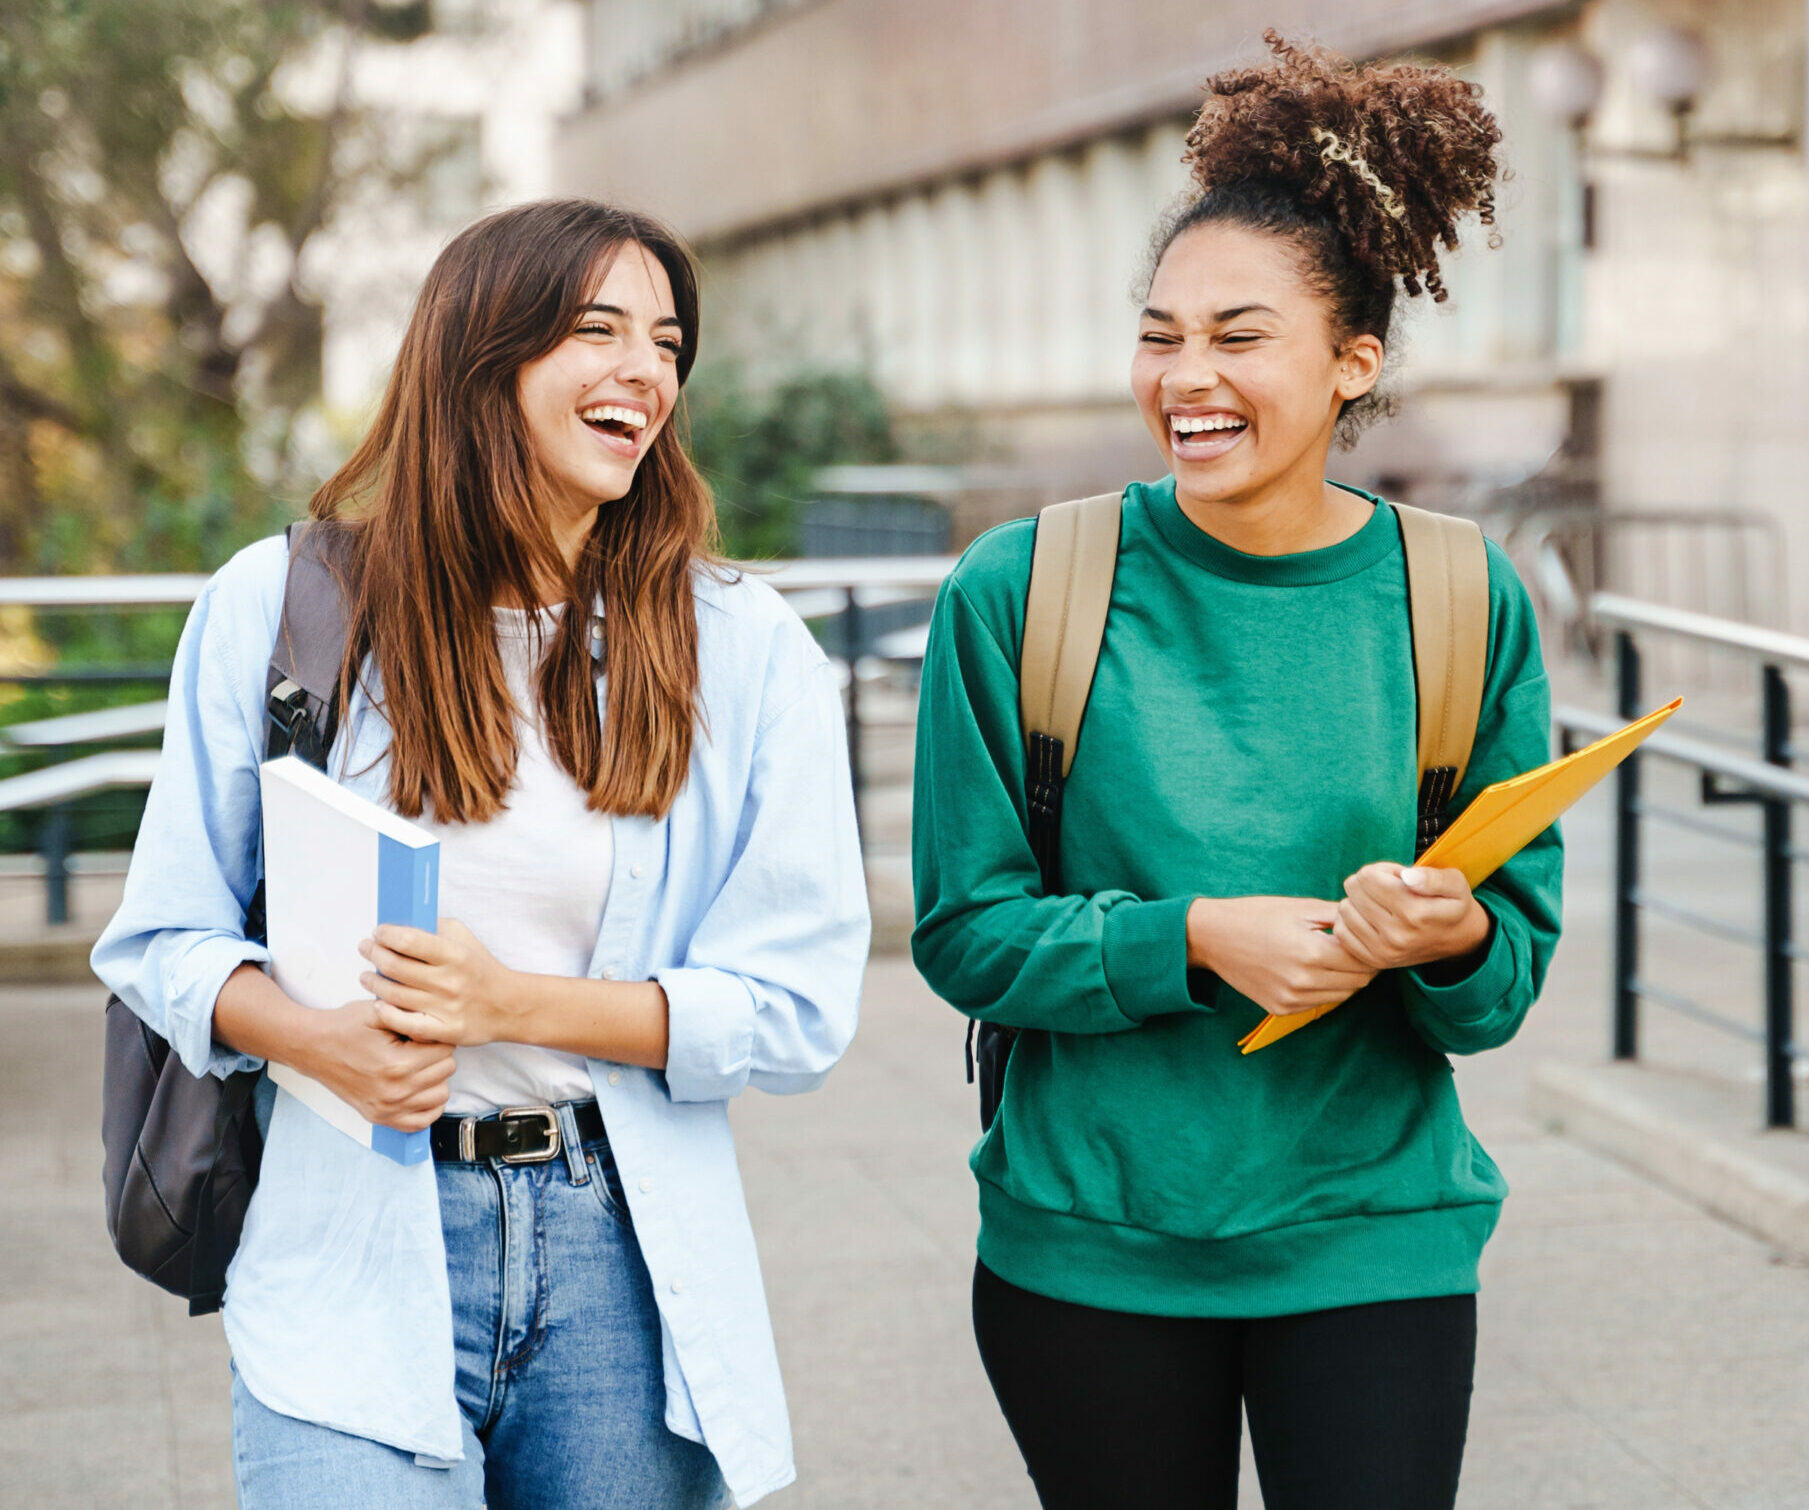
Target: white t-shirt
531,884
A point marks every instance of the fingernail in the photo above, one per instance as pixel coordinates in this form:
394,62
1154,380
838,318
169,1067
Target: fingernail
1412,876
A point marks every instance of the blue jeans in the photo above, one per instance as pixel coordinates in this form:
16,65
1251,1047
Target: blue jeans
560,1381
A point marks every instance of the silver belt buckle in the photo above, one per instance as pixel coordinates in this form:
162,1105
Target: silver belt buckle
549,1118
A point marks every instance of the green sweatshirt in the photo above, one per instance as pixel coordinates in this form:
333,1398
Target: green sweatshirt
1251,731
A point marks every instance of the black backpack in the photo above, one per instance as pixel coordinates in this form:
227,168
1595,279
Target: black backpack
1072,565
182,1152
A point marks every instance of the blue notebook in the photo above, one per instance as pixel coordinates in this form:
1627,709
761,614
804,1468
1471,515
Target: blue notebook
335,866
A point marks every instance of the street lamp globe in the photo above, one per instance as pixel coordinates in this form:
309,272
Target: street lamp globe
1566,81
1669,65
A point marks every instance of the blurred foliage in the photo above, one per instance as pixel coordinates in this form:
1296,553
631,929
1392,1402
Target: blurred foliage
164,165
760,451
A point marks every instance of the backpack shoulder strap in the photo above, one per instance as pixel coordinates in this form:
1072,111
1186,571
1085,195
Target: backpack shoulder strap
302,683
1071,571
1448,602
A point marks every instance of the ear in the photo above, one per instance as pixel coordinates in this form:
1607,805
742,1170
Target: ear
1359,367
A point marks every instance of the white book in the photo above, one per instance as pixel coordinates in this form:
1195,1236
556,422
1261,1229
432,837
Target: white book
335,866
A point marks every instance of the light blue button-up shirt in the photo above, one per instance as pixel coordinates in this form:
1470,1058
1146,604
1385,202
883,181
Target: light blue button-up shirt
746,902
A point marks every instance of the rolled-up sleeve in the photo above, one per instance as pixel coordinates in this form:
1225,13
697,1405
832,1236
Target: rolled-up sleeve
768,993
180,928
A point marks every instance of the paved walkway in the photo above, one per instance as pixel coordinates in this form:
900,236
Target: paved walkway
1636,1354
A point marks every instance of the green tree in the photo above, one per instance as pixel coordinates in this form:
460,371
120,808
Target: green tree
161,176
759,452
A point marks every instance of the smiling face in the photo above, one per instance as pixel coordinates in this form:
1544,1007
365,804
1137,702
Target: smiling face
1238,372
594,403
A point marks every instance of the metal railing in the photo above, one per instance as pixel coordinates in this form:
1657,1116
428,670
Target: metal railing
817,588
1724,778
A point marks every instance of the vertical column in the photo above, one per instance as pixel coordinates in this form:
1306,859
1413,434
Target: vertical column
1626,862
851,648
53,845
1780,1101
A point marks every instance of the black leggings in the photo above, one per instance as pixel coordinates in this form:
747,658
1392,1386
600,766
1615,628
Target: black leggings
1361,1408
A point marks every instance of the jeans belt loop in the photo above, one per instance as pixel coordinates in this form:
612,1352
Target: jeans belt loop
570,1144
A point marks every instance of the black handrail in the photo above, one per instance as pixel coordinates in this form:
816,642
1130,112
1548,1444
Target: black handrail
1725,777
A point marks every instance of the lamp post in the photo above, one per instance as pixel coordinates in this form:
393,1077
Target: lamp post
1566,81
1670,65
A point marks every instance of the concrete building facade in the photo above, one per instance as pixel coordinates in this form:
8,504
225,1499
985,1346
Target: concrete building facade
477,102
957,198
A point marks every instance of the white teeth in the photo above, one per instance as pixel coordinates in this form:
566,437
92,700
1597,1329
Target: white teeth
1190,424
599,413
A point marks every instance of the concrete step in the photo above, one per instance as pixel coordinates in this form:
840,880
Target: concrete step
1697,1135
50,960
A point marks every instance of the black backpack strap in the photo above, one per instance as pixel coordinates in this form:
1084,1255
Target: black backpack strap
302,683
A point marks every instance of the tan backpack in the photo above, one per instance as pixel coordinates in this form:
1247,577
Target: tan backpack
1071,571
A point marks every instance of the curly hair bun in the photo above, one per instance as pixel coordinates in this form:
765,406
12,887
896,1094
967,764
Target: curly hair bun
1394,156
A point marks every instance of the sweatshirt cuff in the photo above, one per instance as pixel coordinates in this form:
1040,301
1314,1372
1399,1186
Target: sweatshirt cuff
1471,997
709,1033
1143,948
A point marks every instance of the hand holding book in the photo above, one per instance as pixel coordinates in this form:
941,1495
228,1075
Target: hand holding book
443,987
1502,820
1278,951
1399,916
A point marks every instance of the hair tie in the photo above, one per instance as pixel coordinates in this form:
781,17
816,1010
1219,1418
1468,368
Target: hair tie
1332,149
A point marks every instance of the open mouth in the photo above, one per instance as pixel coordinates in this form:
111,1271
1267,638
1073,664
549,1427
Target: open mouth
1200,437
616,421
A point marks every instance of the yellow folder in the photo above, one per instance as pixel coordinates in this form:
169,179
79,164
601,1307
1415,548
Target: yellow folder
1503,820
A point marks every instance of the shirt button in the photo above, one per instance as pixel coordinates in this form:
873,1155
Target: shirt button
637,871
646,1187
609,972
678,1287
615,1077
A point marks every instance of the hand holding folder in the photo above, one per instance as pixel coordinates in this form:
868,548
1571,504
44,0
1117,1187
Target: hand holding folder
1502,821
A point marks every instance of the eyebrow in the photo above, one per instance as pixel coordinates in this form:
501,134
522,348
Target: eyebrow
622,314
1223,315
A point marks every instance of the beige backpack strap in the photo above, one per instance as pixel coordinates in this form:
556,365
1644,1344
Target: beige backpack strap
1448,601
1071,572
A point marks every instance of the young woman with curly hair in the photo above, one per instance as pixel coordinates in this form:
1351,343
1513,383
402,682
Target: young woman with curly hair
1172,1233
634,763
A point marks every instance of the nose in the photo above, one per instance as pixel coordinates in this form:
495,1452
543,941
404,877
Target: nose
640,363
1193,372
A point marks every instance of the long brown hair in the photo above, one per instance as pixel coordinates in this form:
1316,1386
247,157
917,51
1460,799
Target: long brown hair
440,504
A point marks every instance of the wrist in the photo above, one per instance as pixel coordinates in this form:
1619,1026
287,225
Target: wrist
1477,925
310,1041
509,1014
1201,916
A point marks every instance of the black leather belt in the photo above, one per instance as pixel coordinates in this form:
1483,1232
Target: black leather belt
515,1135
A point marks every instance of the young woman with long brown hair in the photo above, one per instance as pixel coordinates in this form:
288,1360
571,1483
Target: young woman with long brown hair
633,760
1173,1236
